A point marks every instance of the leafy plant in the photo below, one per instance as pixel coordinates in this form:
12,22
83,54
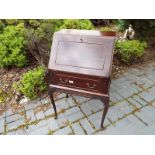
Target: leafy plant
77,24
3,96
130,50
12,44
38,35
2,26
11,21
32,83
121,24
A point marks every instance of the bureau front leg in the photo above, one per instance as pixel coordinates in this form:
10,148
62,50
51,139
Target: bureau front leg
106,107
51,94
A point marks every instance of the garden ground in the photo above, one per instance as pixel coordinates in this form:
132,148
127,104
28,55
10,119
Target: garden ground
132,109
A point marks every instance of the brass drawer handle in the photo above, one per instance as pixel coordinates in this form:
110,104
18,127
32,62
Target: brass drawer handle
91,86
63,81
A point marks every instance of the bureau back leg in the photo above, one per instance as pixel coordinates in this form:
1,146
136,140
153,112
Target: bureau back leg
106,107
53,103
67,96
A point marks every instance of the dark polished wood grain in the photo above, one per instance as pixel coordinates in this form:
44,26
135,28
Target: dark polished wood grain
80,64
80,81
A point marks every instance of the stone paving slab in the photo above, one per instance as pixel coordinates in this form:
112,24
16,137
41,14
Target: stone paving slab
8,112
13,118
139,100
30,116
52,124
95,119
64,131
40,115
33,104
15,124
114,114
34,128
62,120
148,130
2,123
77,129
148,97
80,99
87,126
153,104
135,103
49,111
132,110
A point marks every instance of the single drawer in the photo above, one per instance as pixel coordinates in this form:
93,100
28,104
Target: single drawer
85,83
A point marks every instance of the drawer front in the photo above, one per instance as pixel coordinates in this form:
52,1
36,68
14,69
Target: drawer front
81,83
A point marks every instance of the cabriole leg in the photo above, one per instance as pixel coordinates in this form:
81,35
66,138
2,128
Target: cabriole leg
53,103
106,107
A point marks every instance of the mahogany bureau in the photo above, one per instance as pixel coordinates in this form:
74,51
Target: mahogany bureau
80,64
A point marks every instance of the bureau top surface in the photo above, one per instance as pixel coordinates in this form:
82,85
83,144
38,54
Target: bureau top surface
86,32
87,52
